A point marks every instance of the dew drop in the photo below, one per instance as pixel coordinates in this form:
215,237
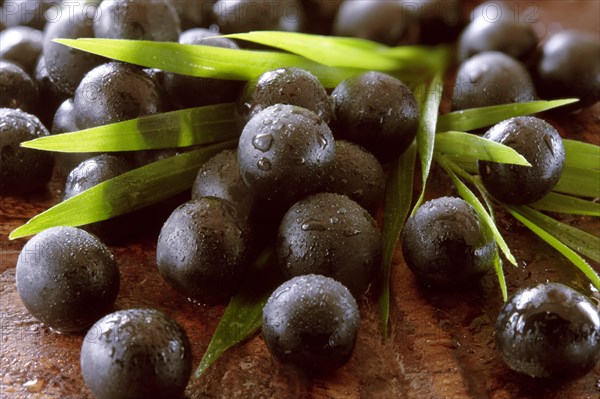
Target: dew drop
262,142
313,225
351,232
322,141
264,164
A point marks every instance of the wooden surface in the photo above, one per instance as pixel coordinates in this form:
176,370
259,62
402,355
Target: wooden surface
441,344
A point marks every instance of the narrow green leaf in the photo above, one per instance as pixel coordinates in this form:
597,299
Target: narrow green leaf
555,202
468,196
398,200
579,182
581,155
329,50
124,193
186,127
577,260
579,240
426,134
500,273
206,61
465,162
469,145
243,316
476,118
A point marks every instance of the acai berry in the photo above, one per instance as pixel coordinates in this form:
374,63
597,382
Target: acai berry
285,152
445,244
311,322
204,249
491,78
549,331
377,111
136,354
332,235
540,144
67,278
22,170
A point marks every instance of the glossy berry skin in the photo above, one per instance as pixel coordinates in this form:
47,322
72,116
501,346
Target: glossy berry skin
311,321
155,20
220,177
491,78
203,250
380,21
67,66
17,88
332,235
514,38
377,112
439,21
234,16
114,92
22,170
21,45
67,278
445,244
549,331
90,173
569,66
292,86
356,173
136,354
541,146
285,153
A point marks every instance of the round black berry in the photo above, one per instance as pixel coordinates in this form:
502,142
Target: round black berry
549,331
136,354
220,177
234,16
507,35
65,65
381,21
155,20
115,92
569,66
445,244
541,146
22,170
332,235
376,111
285,153
21,45
17,88
203,249
356,173
67,278
311,322
491,78
292,86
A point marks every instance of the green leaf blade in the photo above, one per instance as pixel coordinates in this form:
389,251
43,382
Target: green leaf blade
476,118
206,61
561,203
398,200
579,240
125,193
472,146
242,317
581,155
328,50
571,255
579,182
470,197
426,133
182,128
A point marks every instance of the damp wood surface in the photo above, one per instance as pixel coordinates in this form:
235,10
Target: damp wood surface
441,344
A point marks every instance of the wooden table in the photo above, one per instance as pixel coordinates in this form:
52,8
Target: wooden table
441,344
